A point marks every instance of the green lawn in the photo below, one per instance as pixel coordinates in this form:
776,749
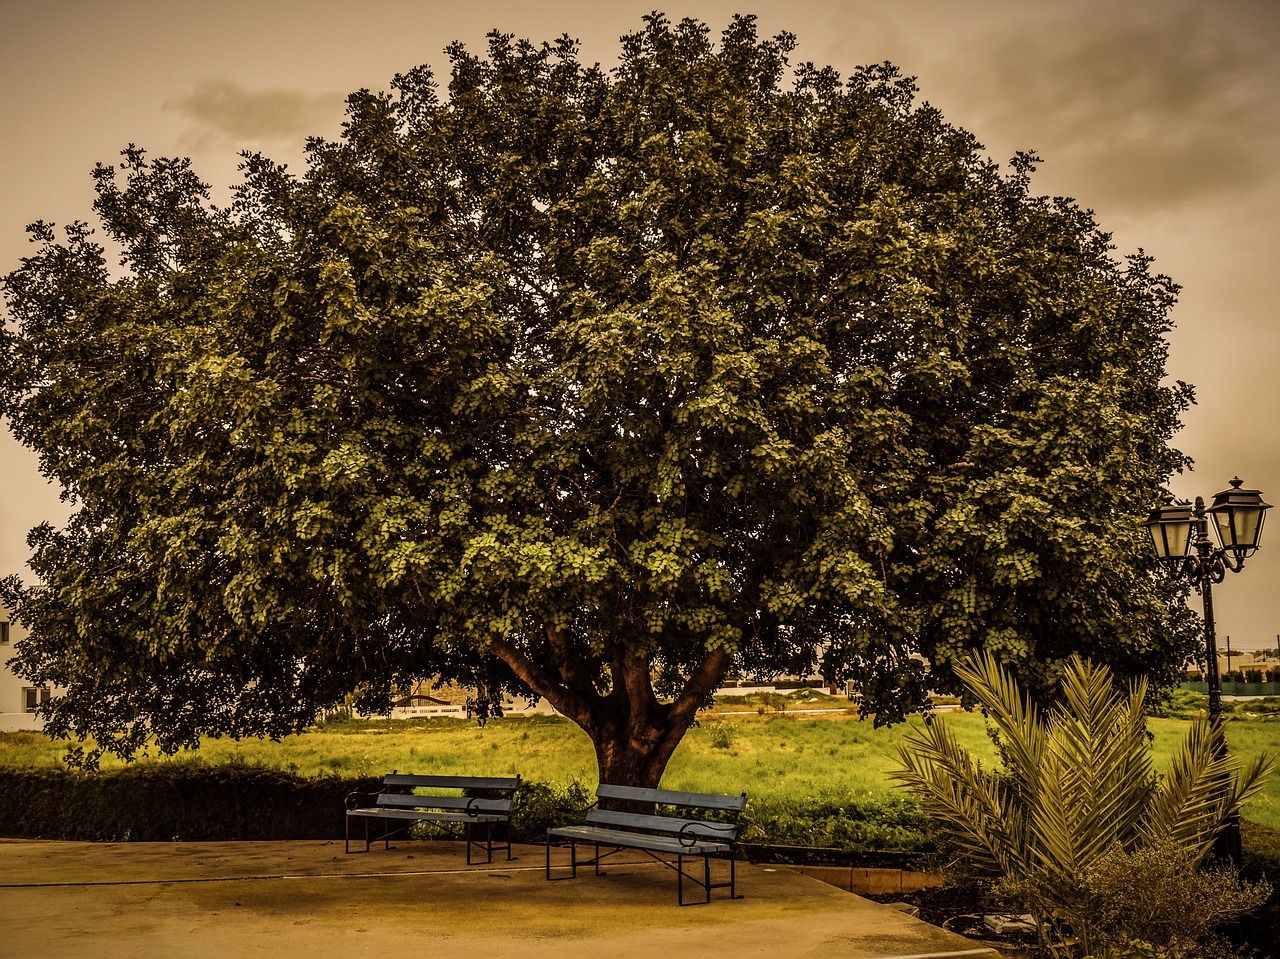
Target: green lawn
777,758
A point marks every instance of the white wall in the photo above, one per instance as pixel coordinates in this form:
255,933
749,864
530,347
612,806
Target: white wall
26,500
12,702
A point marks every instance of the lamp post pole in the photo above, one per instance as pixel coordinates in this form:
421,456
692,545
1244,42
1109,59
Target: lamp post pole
1211,568
1203,578
1180,534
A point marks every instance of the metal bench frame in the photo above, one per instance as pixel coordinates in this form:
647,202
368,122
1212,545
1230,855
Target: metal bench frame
484,801
684,835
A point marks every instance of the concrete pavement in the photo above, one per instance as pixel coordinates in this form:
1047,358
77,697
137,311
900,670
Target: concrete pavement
307,900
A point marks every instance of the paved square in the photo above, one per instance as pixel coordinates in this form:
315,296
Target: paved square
307,900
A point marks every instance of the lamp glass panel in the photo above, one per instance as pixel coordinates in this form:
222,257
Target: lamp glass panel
1179,537
1240,527
1171,538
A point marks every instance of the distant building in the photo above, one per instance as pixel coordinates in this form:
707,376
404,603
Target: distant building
18,698
1238,661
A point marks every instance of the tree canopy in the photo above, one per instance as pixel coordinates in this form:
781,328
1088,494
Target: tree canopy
592,384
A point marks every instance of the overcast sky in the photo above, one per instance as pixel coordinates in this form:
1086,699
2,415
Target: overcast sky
1161,115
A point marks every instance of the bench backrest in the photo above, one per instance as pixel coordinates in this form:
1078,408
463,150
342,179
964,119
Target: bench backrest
476,794
688,818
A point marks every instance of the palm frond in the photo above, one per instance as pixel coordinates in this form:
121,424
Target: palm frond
1080,786
967,803
1018,724
1204,786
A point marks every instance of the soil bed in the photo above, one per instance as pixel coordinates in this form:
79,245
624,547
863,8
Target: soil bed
938,904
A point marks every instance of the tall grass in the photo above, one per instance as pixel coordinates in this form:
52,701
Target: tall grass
781,760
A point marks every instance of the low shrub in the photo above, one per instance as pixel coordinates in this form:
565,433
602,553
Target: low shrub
896,825
1159,894
721,735
180,800
192,800
539,806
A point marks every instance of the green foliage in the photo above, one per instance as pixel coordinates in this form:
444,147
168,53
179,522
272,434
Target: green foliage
161,802
721,735
562,381
892,824
1160,894
539,805
194,801
1078,797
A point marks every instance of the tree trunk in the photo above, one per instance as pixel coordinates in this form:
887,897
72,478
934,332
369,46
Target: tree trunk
630,756
634,735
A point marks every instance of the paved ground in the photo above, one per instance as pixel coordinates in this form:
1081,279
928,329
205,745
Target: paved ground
307,900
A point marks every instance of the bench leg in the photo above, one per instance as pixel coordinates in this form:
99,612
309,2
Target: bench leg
573,862
488,842
346,839
706,883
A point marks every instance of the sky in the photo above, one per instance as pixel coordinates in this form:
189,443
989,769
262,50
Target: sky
1162,116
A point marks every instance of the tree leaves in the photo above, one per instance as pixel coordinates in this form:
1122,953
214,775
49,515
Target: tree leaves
575,378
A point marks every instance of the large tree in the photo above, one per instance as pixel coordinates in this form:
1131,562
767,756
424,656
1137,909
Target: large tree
594,385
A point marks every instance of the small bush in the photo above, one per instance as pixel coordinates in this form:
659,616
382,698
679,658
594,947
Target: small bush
897,825
539,806
771,703
720,735
164,801
1157,895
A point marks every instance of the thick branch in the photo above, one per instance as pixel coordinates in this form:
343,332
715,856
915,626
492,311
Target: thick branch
704,680
637,674
570,666
567,701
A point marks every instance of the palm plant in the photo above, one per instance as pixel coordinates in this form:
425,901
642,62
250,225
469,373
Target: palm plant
1078,784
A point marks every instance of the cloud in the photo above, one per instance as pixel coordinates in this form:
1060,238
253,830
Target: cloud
1149,107
223,113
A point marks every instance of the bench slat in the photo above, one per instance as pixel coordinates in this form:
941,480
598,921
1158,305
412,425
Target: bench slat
670,798
637,840
723,831
444,802
452,782
386,812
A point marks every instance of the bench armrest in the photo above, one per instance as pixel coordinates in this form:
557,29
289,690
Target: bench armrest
689,839
352,799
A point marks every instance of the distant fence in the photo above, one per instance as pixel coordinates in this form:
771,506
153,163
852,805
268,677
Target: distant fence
1237,689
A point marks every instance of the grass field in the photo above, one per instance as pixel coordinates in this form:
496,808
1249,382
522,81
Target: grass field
779,757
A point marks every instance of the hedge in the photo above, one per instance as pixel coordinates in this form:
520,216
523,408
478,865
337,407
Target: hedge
154,802
189,800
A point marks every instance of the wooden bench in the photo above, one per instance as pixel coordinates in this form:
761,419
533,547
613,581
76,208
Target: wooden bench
684,825
472,801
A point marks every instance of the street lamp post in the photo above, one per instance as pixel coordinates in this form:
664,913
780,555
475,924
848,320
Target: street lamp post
1180,533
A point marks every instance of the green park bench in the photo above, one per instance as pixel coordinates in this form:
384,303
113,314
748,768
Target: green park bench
470,801
683,825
